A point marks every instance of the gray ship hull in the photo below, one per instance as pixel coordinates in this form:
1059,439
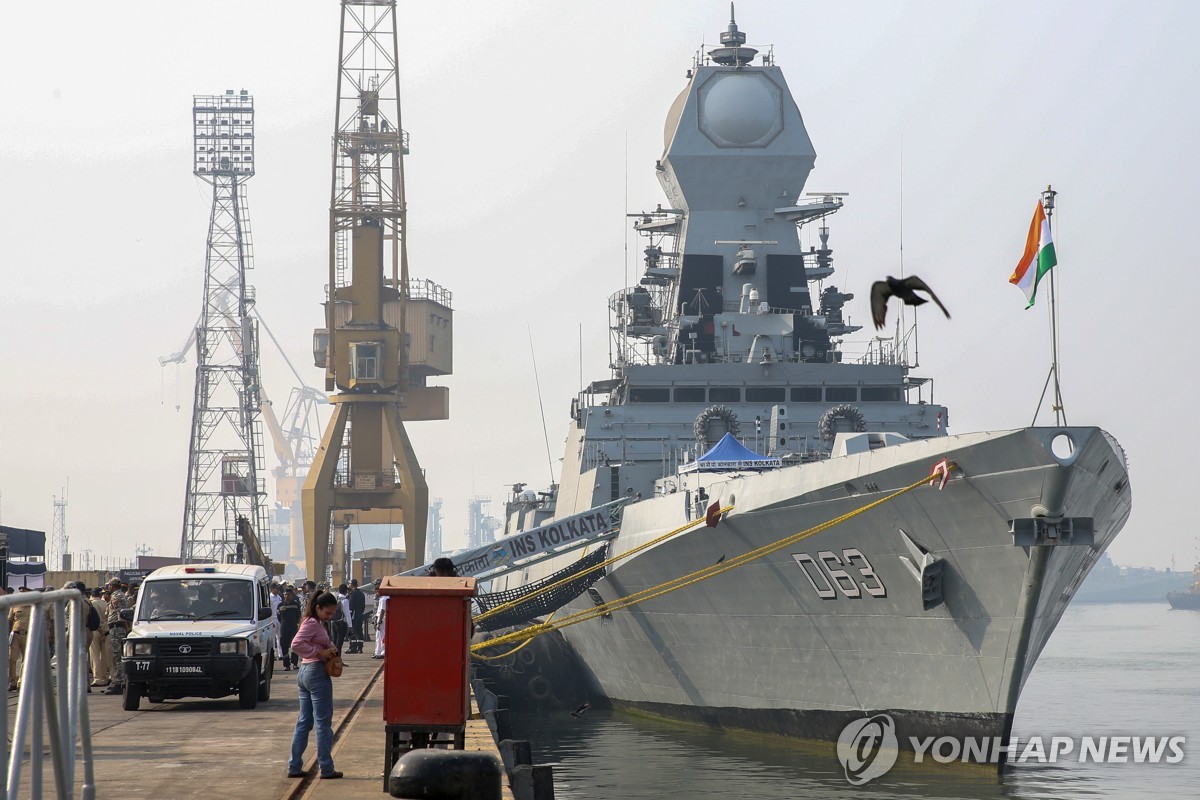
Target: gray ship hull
760,648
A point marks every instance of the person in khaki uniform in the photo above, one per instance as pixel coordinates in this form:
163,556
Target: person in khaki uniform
98,651
116,635
18,625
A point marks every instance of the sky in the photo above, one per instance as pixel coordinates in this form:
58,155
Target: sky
534,129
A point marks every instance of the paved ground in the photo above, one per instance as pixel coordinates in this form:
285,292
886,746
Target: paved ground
202,748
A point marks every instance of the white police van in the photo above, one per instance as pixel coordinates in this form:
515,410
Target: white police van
200,630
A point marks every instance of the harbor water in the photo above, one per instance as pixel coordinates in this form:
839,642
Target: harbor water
1109,670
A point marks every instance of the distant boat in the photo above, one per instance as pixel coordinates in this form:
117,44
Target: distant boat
1109,583
1188,598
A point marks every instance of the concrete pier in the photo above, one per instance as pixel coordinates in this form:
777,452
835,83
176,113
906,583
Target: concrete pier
201,748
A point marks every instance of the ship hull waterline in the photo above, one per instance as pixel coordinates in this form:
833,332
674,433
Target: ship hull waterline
766,647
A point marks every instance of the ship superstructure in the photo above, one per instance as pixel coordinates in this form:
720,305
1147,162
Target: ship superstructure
735,326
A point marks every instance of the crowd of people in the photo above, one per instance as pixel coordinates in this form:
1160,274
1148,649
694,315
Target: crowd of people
312,623
346,624
103,625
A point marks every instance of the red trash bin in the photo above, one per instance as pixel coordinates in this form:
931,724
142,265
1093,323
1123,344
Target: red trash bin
428,630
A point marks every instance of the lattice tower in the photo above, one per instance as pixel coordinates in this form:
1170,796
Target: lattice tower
225,459
59,556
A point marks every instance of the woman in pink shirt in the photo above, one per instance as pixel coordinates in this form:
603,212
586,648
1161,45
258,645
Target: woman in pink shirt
313,646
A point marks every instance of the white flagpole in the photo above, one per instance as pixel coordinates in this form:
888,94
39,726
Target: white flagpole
1060,413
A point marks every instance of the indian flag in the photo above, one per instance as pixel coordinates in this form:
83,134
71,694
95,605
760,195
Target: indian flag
1038,258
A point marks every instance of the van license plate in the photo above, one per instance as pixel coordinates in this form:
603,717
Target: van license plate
185,670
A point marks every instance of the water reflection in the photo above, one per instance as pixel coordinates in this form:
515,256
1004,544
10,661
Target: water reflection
1115,670
608,754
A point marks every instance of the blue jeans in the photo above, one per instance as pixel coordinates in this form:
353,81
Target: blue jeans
316,706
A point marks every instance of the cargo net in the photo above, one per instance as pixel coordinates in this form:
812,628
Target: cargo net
544,603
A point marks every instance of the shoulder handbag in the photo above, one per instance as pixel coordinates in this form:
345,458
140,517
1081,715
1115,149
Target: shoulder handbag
333,667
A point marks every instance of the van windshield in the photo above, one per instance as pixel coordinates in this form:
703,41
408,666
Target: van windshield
195,598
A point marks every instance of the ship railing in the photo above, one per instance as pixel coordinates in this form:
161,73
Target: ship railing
735,306
53,693
886,350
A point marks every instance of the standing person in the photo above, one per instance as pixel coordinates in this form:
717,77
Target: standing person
358,607
380,616
290,612
91,625
117,602
314,647
98,650
18,626
341,618
306,593
276,599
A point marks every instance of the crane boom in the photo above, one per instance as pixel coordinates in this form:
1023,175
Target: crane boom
180,355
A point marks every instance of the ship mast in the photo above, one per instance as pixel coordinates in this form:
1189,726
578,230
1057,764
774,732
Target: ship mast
1060,412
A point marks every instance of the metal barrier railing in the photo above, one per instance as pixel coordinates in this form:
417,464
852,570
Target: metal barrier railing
56,697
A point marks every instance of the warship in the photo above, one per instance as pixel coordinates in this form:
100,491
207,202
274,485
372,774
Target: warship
732,399
1188,598
1110,583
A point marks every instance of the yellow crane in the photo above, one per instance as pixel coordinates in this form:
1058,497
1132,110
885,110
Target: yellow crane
384,334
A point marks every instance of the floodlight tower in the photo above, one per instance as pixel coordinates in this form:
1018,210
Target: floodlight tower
384,334
225,460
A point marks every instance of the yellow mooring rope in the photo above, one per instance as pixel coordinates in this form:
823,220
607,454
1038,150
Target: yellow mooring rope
687,580
515,650
513,603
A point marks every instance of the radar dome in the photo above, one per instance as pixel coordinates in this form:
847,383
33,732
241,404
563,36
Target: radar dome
739,109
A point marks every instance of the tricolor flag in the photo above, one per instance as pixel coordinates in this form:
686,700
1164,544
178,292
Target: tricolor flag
1038,257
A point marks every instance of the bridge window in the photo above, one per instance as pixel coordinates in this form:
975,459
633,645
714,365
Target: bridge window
881,394
725,394
647,394
689,394
806,394
766,394
841,394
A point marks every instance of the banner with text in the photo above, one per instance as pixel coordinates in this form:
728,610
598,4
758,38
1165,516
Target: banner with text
575,530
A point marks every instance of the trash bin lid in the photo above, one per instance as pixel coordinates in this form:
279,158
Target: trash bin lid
407,585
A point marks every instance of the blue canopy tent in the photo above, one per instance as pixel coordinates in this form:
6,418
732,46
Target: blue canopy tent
729,455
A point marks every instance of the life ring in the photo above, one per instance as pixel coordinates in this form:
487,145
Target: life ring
825,427
723,413
539,687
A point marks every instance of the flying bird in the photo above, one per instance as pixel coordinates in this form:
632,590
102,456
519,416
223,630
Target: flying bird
905,289
577,713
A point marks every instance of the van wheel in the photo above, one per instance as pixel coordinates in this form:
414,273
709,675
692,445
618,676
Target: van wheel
248,689
264,688
132,697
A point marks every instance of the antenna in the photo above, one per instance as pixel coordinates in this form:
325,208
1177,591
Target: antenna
916,318
541,406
